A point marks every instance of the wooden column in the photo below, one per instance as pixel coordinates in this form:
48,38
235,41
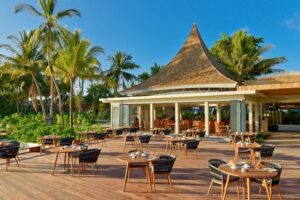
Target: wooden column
256,117
250,117
151,115
140,115
218,112
176,118
206,115
261,116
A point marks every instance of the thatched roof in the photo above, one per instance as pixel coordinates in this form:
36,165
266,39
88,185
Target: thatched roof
192,67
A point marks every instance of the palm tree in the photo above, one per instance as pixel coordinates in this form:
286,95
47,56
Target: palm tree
155,69
26,60
241,54
50,27
118,74
75,57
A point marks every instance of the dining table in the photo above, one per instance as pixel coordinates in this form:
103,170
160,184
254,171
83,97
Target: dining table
191,132
178,140
54,138
131,159
243,136
247,174
246,145
65,150
86,135
157,130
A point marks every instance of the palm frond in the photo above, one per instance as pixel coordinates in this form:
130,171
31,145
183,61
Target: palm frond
27,7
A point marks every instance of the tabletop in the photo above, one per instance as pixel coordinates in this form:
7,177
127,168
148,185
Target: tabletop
248,146
139,159
45,137
249,173
66,149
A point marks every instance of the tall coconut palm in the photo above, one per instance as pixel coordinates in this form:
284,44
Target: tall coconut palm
74,58
118,74
50,27
241,54
26,59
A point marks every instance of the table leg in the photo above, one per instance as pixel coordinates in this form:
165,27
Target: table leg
267,189
65,158
72,164
236,154
55,164
249,188
126,177
149,176
226,187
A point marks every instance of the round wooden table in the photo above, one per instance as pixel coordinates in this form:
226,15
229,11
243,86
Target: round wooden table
66,150
191,132
54,139
126,158
251,146
264,174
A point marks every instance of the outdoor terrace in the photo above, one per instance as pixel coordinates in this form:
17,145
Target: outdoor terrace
191,178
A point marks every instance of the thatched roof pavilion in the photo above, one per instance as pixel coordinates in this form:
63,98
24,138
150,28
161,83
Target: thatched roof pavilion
193,67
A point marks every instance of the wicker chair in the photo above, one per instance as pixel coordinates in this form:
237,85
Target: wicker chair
166,131
109,132
144,139
274,182
88,157
201,134
66,141
119,132
191,145
100,137
128,139
133,130
9,152
218,177
266,151
163,166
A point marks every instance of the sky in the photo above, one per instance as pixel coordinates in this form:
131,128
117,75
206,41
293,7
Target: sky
154,30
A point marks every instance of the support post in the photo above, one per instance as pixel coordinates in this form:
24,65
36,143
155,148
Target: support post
256,117
206,115
140,116
261,116
218,112
151,115
250,117
176,118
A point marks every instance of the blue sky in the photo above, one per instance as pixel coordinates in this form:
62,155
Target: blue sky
153,31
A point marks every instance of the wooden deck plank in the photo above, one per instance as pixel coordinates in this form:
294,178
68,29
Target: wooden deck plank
33,180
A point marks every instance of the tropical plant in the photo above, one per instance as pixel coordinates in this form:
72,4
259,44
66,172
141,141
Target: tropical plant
118,74
153,70
50,28
75,57
26,59
241,54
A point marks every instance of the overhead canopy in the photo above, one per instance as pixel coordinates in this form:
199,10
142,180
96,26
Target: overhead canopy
193,67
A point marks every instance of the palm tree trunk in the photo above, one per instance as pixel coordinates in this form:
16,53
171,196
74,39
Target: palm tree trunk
71,103
81,94
51,99
79,103
40,95
53,78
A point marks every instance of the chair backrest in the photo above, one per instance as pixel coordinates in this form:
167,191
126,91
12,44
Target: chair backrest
66,141
166,131
100,136
119,131
267,150
201,134
275,180
145,138
192,144
129,138
89,156
11,149
133,130
164,164
109,131
213,165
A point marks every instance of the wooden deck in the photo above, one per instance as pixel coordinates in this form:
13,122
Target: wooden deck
33,180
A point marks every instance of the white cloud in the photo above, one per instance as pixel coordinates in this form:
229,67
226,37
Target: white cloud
294,22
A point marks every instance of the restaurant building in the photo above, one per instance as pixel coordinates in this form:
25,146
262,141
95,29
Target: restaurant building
194,90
